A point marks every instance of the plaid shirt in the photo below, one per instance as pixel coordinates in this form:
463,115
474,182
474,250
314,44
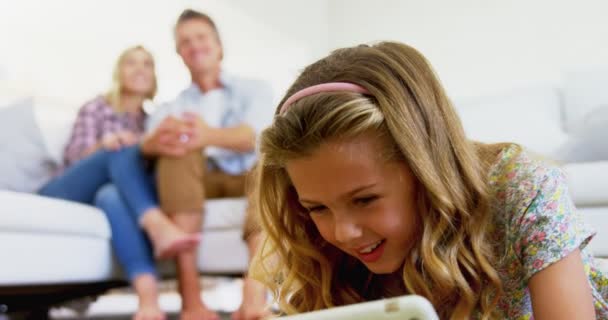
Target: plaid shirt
96,119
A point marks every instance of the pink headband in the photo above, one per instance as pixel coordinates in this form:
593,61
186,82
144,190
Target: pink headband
324,87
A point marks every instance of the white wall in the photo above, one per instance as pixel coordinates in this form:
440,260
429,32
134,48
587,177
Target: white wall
66,49
480,47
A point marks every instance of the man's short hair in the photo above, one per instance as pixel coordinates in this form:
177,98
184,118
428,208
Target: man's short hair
190,14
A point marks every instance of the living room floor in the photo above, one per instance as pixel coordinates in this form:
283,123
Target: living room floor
220,293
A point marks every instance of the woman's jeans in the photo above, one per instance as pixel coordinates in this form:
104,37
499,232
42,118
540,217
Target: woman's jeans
118,183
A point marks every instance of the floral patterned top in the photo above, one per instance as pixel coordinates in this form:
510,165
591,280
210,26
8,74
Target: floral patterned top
536,225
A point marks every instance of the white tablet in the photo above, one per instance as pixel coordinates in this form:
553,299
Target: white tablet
409,307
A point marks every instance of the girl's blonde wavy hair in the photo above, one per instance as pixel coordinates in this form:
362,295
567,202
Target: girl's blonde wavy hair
113,95
451,262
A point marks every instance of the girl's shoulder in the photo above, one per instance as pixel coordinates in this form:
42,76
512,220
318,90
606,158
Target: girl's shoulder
536,222
525,187
518,171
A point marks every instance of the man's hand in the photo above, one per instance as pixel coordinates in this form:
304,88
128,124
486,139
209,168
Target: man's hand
199,132
167,139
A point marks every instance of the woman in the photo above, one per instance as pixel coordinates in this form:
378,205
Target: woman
102,166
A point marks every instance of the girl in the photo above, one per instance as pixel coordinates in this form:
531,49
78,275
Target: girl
368,188
103,166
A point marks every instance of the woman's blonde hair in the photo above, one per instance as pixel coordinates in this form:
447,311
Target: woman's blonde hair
114,94
451,261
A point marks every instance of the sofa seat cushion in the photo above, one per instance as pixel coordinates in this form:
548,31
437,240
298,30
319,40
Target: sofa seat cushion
226,213
588,183
30,213
44,258
24,212
72,241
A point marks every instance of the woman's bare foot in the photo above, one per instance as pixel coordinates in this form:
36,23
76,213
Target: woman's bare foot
147,292
149,313
168,240
200,312
172,244
254,305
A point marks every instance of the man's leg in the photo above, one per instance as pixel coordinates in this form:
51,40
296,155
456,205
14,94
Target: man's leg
253,305
181,192
193,306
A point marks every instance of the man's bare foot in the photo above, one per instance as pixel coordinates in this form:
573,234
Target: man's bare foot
168,240
254,305
200,312
152,312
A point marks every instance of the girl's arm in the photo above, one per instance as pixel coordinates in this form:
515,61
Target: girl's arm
562,291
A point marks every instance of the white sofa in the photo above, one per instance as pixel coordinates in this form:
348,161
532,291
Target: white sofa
548,120
54,250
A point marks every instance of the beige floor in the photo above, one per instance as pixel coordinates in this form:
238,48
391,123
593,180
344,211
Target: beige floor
221,294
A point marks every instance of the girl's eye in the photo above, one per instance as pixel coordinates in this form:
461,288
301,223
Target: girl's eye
362,201
316,209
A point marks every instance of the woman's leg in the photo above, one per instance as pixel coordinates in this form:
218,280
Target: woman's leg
138,188
81,181
133,251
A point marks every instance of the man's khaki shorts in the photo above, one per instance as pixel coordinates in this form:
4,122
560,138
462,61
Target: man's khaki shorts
184,183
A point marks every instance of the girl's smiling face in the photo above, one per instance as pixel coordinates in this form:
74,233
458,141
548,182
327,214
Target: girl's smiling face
360,203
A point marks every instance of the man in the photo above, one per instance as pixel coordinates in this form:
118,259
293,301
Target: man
204,145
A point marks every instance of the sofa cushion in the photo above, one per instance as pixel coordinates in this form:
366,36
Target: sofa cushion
583,91
588,143
223,252
602,264
588,182
25,164
530,117
70,240
30,213
50,258
33,213
55,119
226,213
36,229
597,219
